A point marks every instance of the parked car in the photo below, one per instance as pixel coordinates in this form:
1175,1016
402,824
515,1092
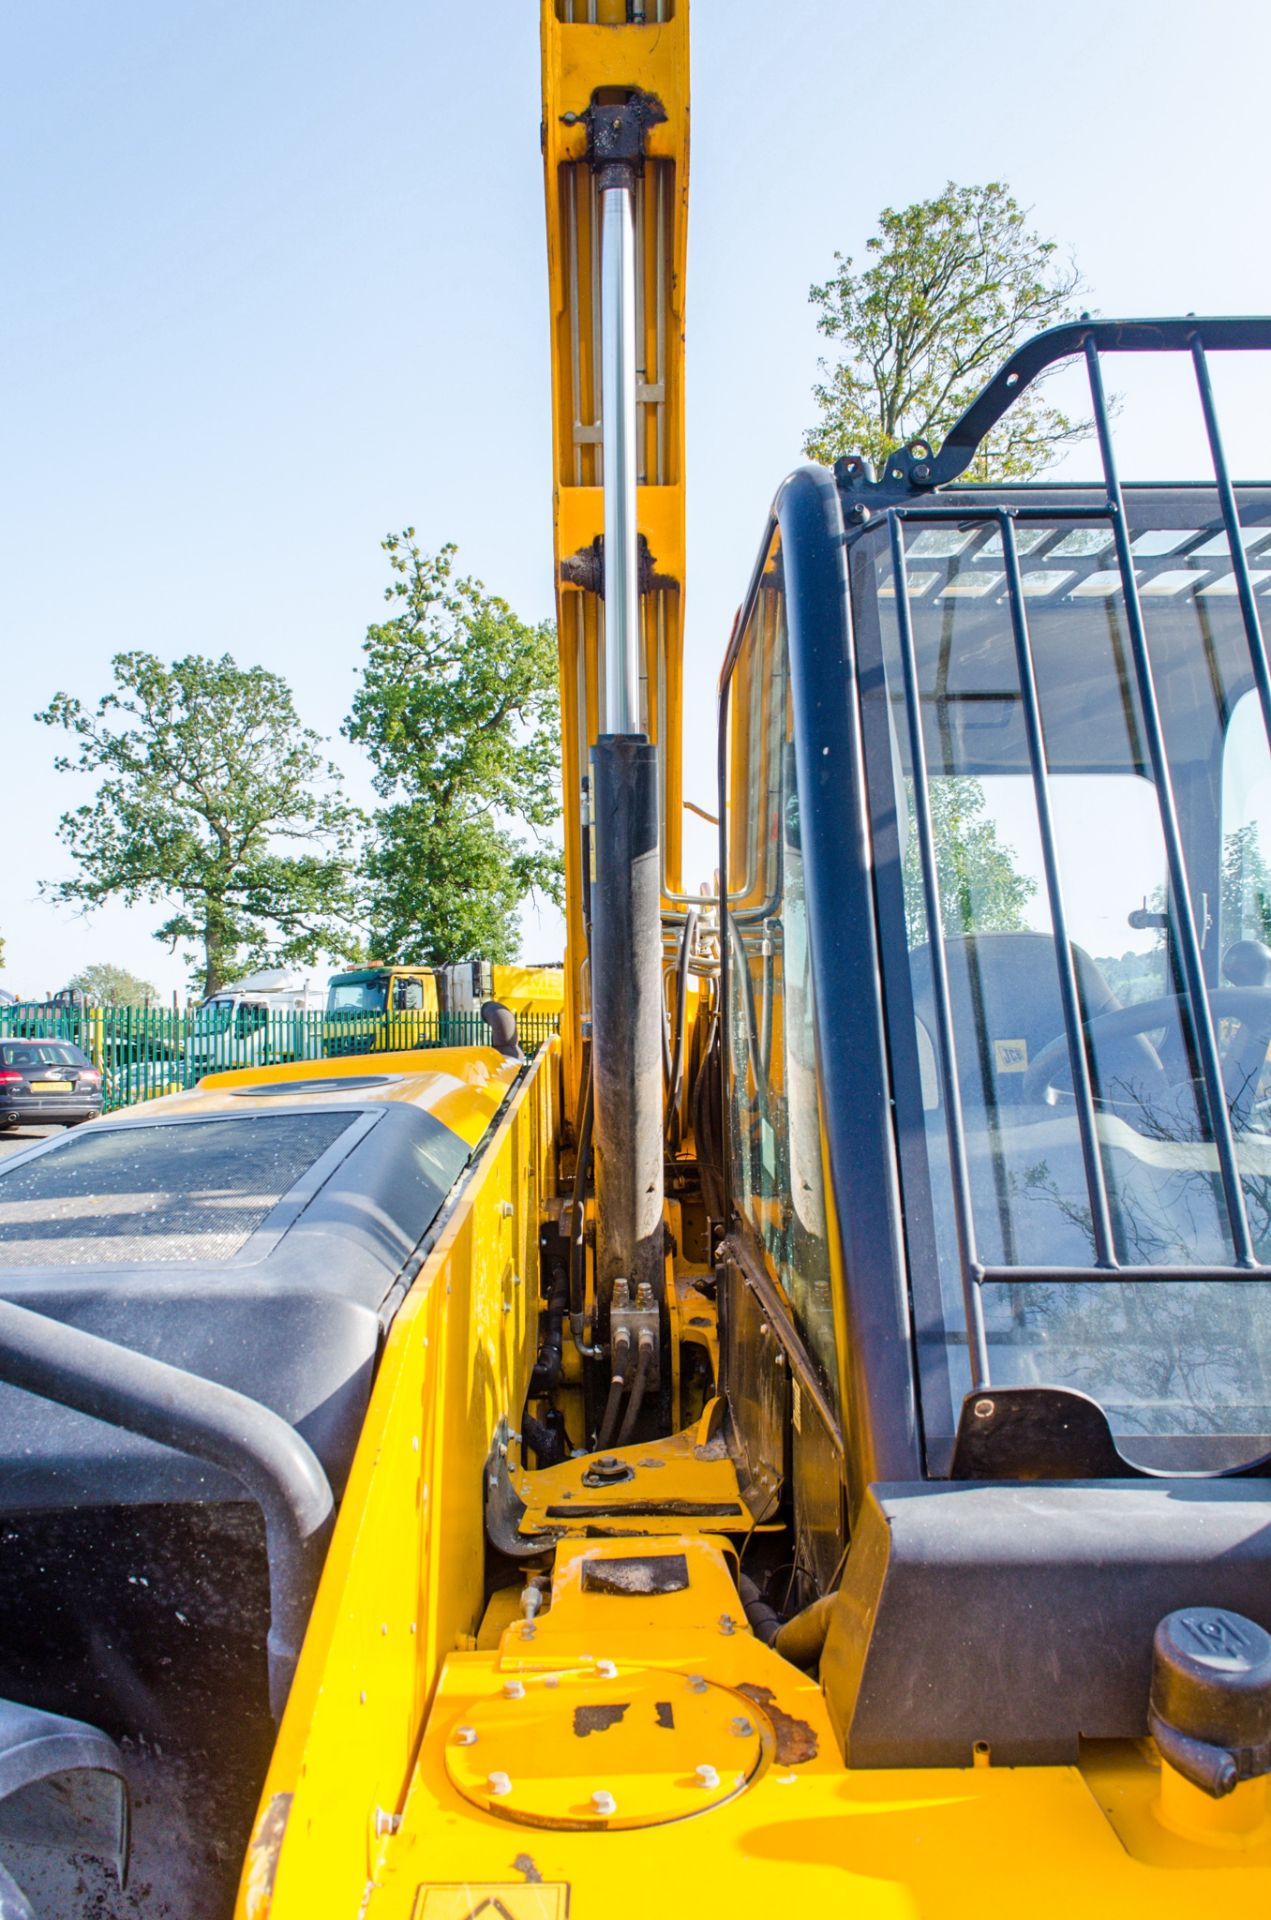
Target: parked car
47,1082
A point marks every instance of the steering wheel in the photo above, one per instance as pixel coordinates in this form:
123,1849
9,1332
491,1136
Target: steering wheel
1242,1064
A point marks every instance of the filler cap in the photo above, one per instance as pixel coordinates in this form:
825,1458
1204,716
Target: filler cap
1210,1711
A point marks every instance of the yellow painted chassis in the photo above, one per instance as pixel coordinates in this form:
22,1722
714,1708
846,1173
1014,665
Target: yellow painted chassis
360,1816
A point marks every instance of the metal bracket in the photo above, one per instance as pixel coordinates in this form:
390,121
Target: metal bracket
908,470
586,569
640,1315
616,134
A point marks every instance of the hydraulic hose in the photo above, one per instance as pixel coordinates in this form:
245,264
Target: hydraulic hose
644,1366
763,1619
801,1639
681,1012
578,1215
617,1387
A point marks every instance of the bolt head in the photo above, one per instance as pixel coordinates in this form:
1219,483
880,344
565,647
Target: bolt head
707,1776
466,1736
498,1784
514,1689
984,1409
604,1803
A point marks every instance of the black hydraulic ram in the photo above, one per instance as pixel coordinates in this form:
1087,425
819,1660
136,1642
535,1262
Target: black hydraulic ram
626,993
626,897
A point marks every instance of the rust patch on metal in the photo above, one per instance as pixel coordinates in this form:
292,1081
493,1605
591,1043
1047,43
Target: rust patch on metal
650,1510
665,1714
596,1719
796,1740
638,1574
262,1855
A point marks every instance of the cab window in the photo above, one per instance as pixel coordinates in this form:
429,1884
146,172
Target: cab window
775,1133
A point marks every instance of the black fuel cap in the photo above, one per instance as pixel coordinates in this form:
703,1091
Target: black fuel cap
1210,1710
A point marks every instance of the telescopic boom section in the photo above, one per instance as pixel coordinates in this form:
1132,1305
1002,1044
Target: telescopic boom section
615,148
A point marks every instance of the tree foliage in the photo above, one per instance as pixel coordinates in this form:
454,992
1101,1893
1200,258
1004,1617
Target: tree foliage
214,799
105,985
1246,887
953,285
458,709
981,890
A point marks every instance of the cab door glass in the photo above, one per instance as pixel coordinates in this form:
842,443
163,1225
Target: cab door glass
775,1133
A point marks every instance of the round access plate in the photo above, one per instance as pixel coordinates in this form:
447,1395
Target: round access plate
635,1748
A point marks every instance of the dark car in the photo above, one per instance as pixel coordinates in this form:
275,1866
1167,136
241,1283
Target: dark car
47,1083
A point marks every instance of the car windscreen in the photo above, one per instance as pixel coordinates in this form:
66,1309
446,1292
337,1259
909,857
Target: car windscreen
167,1194
41,1053
1038,1210
213,1016
358,996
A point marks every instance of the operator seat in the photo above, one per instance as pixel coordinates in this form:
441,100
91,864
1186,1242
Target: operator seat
1004,994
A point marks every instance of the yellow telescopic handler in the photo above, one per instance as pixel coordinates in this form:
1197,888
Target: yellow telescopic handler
801,1443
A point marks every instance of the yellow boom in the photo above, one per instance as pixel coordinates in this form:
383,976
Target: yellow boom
589,45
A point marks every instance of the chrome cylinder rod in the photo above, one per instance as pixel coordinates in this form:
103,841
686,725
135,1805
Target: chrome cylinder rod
618,359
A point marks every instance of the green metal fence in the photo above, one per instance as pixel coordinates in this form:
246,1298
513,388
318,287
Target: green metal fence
146,1052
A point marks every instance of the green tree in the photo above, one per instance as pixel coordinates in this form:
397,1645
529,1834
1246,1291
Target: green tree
104,985
1246,887
458,708
216,799
954,284
980,889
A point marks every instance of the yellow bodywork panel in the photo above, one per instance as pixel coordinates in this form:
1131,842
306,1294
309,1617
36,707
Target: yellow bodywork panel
636,1750
404,1577
529,989
463,1087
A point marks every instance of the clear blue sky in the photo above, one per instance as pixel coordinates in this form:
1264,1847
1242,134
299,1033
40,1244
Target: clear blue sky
273,283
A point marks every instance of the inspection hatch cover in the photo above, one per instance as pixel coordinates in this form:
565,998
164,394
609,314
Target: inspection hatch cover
632,1747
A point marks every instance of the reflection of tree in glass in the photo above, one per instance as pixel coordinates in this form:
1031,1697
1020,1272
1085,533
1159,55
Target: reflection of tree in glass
1246,891
1159,1357
980,888
1246,887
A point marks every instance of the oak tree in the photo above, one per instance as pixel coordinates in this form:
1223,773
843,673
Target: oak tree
458,708
215,800
952,286
105,985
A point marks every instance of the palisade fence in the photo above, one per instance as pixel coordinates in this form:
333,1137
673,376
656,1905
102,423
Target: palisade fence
145,1052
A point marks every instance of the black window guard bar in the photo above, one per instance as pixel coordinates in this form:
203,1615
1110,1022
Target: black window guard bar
1194,337
916,468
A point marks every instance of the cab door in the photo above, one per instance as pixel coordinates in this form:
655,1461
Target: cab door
781,1357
